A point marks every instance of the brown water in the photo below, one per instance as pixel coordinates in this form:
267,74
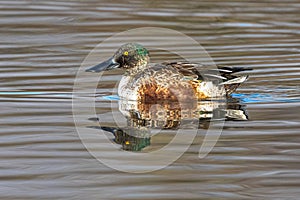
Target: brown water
42,46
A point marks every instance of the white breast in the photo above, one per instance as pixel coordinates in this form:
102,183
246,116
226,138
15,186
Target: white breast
126,90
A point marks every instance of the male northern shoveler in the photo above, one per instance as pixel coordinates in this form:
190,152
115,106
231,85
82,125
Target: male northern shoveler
170,80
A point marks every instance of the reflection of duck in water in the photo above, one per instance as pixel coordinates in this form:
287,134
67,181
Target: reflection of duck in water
179,81
143,117
174,115
130,138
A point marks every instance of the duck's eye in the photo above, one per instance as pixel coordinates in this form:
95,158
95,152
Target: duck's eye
125,53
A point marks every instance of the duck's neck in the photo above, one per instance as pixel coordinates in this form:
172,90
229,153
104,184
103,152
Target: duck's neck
139,67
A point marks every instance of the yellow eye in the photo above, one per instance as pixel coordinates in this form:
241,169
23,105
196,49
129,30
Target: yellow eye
125,53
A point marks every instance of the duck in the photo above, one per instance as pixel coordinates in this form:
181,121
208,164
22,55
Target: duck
171,80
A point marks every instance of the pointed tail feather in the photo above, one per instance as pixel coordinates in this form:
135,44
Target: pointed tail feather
231,85
231,70
237,80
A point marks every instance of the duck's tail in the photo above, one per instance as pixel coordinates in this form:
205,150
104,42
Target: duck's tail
232,81
231,85
237,80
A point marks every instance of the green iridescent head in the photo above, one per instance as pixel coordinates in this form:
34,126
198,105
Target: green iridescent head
128,56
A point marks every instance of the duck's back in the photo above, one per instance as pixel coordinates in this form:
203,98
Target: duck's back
217,75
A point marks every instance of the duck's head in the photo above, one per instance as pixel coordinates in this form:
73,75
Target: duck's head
128,56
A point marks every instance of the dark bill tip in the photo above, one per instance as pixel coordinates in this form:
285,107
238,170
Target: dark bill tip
106,65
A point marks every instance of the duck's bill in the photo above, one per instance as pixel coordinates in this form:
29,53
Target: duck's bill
106,65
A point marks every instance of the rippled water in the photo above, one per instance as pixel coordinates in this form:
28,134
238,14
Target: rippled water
42,46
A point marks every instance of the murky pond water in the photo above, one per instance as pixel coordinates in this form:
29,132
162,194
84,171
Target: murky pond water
43,43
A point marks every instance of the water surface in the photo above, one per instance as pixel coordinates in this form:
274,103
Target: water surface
42,46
